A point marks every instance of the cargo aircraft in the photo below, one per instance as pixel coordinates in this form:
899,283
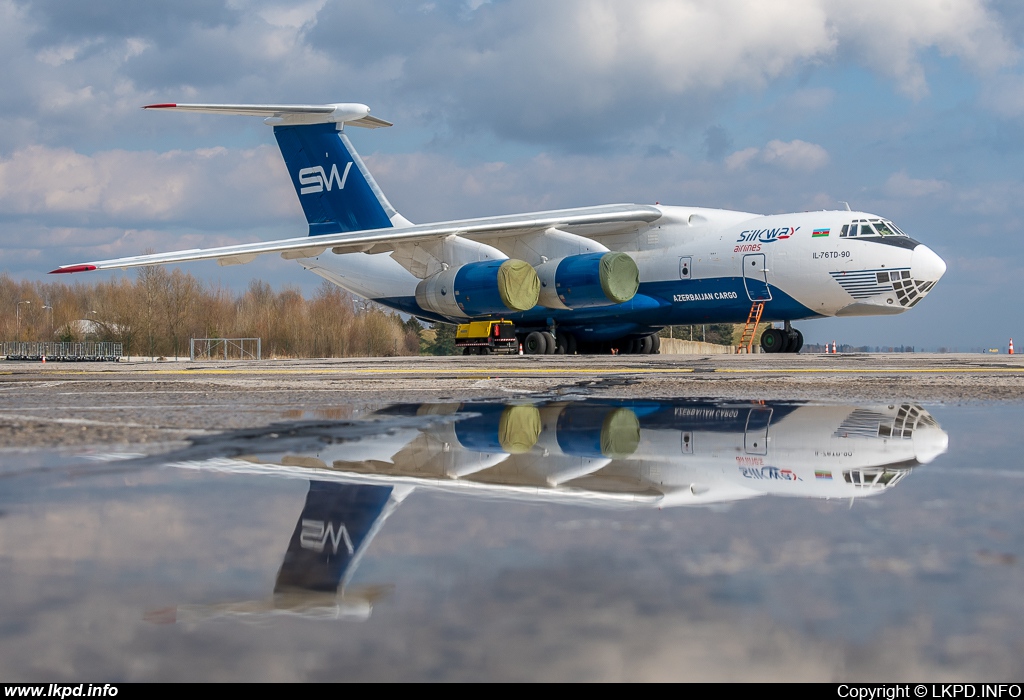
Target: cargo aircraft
571,280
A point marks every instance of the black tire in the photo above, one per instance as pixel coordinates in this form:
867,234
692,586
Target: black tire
773,340
535,344
655,344
552,344
796,341
468,351
644,345
485,351
561,343
570,344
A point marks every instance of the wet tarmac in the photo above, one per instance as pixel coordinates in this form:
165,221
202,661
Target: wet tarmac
288,522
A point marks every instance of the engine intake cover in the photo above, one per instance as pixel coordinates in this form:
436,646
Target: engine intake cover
592,279
480,288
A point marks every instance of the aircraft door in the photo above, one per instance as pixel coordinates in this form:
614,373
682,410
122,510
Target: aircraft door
755,435
755,277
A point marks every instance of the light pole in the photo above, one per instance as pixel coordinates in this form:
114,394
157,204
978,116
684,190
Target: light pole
51,319
19,317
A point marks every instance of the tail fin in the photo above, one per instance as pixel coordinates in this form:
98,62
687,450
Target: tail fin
334,528
336,191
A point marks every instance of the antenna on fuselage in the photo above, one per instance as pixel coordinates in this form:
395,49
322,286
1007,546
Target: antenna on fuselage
846,204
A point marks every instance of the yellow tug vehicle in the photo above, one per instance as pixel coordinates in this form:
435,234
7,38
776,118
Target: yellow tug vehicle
486,337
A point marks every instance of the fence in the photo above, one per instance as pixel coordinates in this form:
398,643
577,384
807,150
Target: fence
225,349
63,352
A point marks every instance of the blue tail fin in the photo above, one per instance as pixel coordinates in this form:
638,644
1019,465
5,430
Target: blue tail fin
336,191
331,532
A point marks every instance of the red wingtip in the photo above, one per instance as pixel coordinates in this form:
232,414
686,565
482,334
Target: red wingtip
73,268
161,106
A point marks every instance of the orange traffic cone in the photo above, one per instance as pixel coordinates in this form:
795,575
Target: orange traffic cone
1011,346
834,352
1011,352
520,348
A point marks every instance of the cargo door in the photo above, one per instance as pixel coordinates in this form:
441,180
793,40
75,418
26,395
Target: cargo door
755,277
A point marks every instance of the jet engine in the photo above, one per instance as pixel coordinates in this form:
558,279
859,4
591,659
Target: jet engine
588,280
480,288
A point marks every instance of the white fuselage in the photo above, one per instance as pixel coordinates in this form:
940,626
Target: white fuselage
707,265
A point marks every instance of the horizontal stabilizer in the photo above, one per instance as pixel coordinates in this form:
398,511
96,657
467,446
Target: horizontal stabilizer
341,113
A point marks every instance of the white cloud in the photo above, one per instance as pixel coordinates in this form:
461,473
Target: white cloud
204,187
888,36
793,155
902,185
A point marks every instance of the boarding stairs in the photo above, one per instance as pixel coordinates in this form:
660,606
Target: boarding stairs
750,329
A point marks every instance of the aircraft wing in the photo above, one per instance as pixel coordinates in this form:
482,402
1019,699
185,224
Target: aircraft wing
587,221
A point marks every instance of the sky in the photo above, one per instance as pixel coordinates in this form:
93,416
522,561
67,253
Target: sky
912,110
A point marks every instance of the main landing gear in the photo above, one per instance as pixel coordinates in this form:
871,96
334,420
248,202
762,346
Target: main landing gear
548,343
559,343
786,339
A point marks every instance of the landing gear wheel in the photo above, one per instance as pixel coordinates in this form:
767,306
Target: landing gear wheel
645,345
565,344
773,340
551,345
655,344
796,341
535,344
570,344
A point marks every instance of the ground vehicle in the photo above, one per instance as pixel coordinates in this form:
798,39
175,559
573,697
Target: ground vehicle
486,337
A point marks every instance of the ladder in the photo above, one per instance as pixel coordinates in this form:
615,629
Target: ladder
750,330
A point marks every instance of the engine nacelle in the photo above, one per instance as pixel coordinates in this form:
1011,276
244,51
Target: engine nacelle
598,431
480,288
499,428
591,279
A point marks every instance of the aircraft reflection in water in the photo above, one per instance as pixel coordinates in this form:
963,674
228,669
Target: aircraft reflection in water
614,454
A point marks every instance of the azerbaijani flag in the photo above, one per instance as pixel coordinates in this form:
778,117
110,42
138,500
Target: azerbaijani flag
820,232
818,474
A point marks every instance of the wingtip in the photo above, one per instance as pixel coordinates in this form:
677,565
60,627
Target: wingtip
72,268
163,105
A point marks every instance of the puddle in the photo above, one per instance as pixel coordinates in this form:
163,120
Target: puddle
561,539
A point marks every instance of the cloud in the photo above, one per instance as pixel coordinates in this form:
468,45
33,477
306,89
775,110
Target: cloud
902,185
204,187
794,155
582,71
889,37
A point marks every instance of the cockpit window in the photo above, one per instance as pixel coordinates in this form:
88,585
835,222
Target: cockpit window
870,227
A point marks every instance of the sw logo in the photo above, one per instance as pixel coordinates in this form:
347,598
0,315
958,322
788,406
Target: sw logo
316,534
316,179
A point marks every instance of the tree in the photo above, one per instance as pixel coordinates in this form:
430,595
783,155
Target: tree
444,340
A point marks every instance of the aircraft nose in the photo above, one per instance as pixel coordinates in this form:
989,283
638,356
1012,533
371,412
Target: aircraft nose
925,265
929,443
